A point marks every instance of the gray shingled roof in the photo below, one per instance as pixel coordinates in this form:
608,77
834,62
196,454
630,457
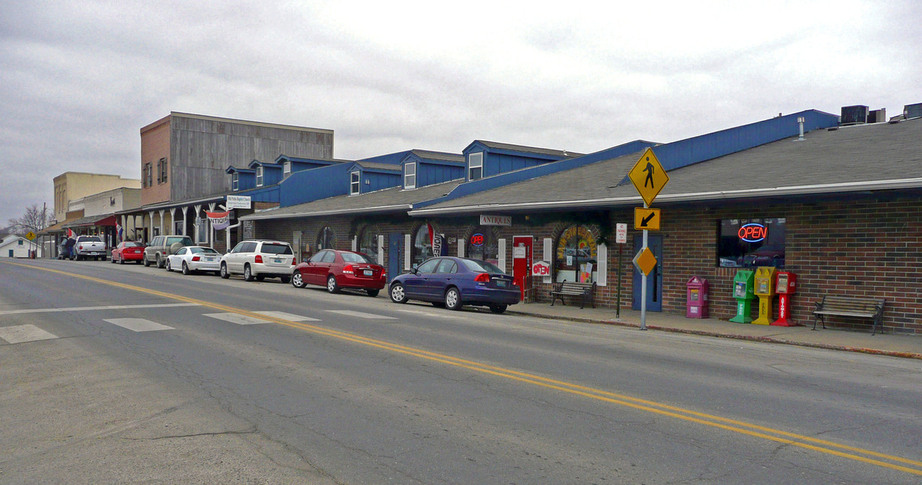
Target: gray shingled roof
863,157
430,155
394,199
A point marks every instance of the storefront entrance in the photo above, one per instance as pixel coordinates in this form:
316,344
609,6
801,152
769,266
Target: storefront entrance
654,279
394,255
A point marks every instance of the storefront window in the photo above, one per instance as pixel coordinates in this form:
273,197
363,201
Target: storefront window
326,239
368,243
576,255
482,244
748,243
422,246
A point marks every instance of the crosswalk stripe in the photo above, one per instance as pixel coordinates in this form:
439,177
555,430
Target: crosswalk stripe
24,333
138,324
236,318
287,316
350,313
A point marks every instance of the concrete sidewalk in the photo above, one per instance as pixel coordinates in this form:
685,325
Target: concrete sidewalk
907,346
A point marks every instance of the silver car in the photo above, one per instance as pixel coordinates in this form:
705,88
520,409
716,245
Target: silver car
191,259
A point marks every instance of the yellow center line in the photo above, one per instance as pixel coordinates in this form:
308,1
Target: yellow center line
736,426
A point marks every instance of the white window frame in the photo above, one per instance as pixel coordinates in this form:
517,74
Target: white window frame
355,183
259,176
286,169
474,160
407,175
235,181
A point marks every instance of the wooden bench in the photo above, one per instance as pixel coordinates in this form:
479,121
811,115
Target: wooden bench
584,291
850,306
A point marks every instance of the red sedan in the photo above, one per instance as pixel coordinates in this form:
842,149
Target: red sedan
340,269
128,251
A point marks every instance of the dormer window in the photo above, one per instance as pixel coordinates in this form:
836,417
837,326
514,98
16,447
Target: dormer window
355,183
259,176
475,166
286,169
235,181
409,175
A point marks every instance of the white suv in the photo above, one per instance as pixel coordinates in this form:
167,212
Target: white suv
259,259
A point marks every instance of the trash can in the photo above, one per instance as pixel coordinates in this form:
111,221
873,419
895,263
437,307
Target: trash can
696,301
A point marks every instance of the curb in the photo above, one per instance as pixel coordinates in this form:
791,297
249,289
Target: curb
750,338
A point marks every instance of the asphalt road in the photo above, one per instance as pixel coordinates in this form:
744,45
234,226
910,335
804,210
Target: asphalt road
113,373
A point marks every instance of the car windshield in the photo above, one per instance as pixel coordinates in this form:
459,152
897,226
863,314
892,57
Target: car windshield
132,245
482,266
203,251
272,248
357,258
185,241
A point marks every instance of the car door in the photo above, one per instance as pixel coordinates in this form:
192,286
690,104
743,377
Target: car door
175,260
444,276
417,283
309,271
232,260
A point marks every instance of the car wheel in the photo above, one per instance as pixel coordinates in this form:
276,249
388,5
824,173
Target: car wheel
146,262
285,279
372,293
453,299
297,280
120,261
185,268
112,260
224,273
398,295
497,308
160,263
247,273
332,286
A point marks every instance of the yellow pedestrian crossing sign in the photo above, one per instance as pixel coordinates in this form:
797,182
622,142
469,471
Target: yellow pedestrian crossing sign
648,176
30,236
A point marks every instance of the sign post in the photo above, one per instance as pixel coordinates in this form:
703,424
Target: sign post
620,240
649,178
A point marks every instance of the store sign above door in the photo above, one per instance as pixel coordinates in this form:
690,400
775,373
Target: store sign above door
486,220
753,232
238,202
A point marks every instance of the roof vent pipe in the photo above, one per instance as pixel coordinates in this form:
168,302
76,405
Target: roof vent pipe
800,122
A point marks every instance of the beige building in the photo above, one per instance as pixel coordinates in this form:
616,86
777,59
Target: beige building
73,186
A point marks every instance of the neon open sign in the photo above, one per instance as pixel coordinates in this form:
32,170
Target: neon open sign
477,239
753,232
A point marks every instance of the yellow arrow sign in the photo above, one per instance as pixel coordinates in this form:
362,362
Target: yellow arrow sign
30,236
646,218
648,176
645,261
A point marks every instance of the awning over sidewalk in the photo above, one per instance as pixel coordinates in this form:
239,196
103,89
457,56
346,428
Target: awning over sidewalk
103,220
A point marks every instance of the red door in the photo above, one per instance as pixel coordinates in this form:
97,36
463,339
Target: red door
521,262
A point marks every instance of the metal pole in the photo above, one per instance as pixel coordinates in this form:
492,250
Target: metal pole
643,284
618,304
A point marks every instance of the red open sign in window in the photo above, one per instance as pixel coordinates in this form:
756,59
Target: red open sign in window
753,232
477,239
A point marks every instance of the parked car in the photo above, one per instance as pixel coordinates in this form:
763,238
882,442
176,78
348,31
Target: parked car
191,259
162,246
86,247
259,259
128,251
340,269
454,282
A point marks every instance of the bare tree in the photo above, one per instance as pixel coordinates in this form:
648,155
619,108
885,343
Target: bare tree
35,219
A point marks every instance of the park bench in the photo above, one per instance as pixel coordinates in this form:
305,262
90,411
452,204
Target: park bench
850,306
584,291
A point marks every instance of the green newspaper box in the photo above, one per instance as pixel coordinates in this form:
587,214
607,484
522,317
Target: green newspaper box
743,285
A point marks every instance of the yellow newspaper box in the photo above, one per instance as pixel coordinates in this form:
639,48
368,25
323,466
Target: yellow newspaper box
764,288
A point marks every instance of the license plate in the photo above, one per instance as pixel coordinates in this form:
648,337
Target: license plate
500,283
209,259
278,261
369,272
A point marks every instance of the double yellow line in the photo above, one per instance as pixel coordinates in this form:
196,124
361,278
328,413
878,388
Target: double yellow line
792,439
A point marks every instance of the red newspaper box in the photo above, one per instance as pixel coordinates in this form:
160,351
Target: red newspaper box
696,305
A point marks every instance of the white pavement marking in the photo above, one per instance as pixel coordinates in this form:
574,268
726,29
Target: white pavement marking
138,324
24,333
94,308
350,313
445,314
235,318
288,316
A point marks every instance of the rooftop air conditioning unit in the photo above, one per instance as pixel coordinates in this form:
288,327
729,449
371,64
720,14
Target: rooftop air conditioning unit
852,115
878,116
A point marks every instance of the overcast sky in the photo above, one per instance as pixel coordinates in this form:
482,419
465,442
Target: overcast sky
79,79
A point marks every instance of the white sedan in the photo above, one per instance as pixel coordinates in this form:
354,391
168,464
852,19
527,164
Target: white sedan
194,258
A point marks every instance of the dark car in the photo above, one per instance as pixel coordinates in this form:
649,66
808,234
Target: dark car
340,269
454,282
128,251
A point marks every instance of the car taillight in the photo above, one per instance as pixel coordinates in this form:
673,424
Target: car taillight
80,247
294,261
482,278
349,269
196,258
259,258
